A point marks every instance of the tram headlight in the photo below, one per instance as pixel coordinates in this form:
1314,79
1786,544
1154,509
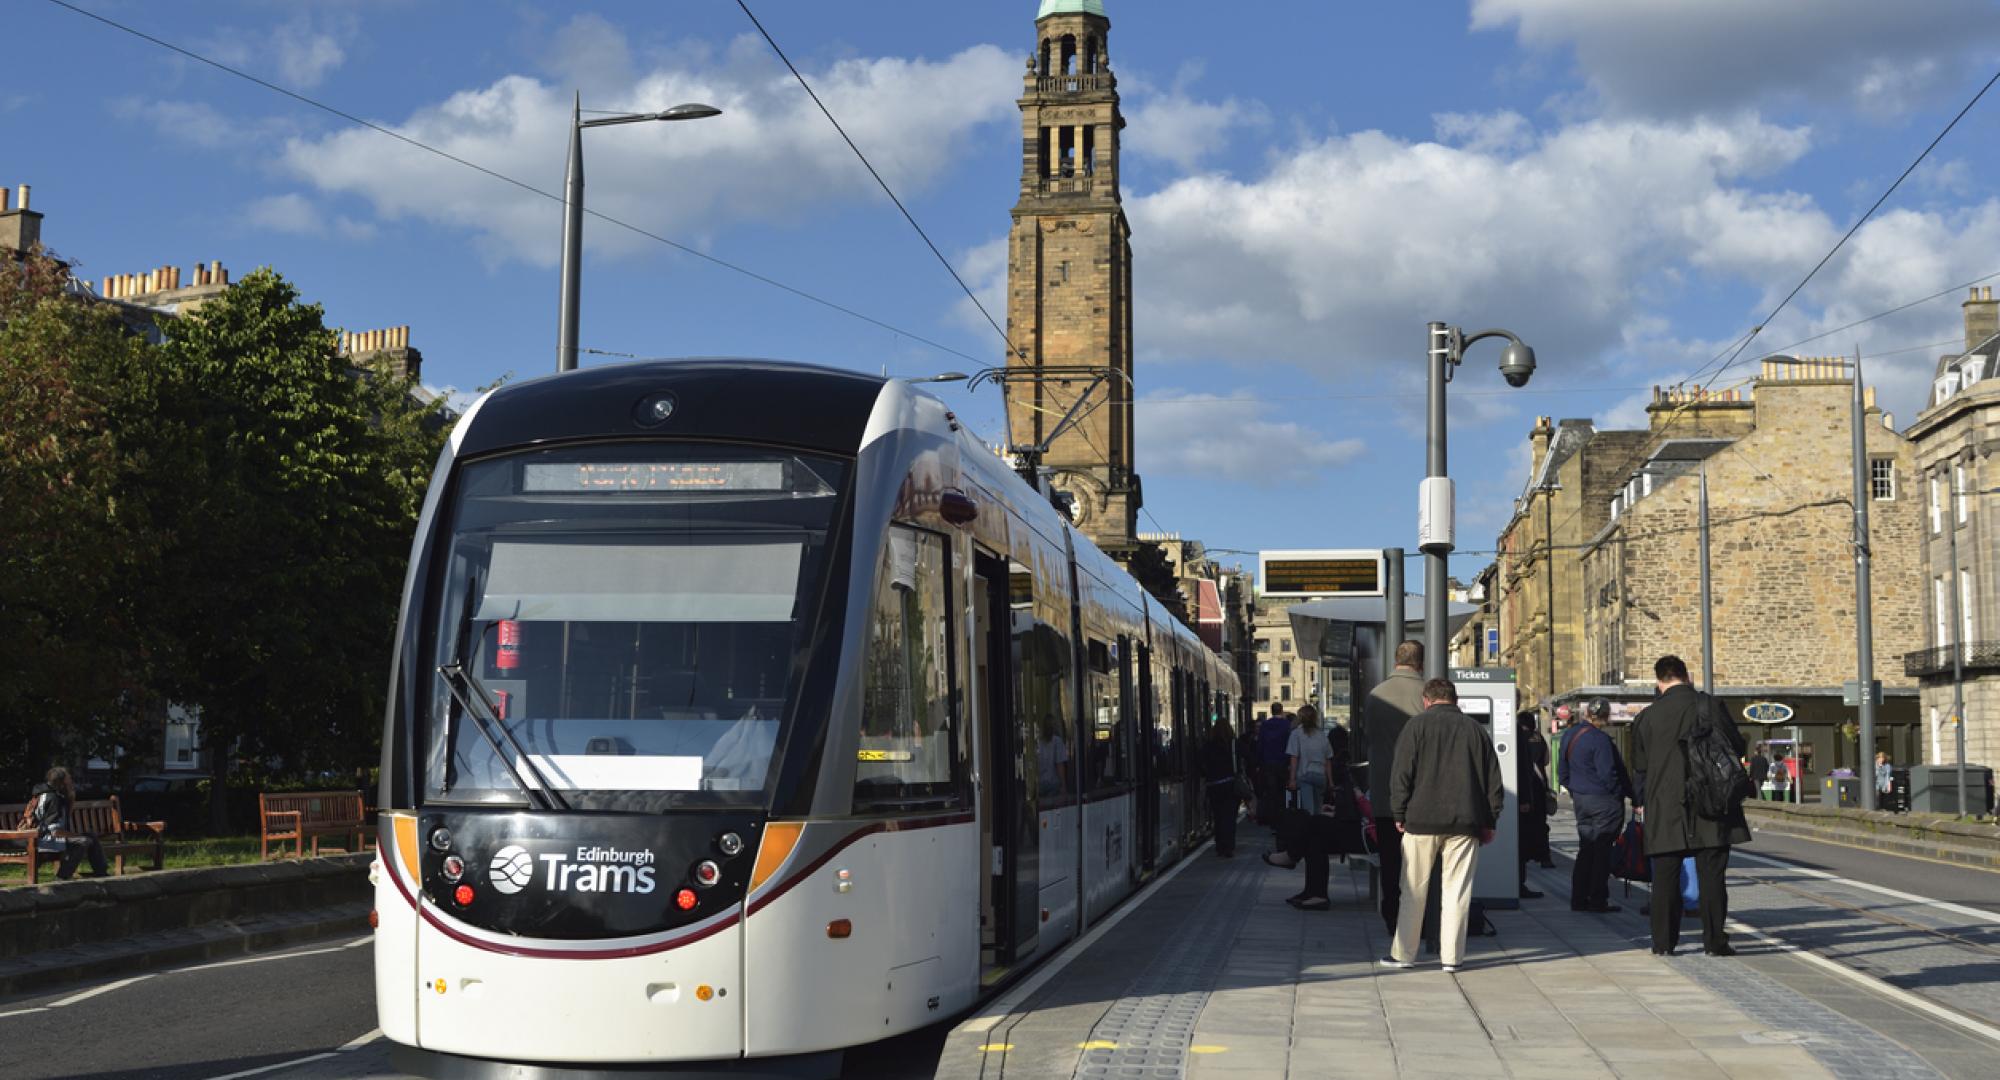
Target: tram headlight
706,873
729,844
441,838
454,868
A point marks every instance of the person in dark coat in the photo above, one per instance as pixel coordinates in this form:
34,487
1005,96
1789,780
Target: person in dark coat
1446,794
1760,769
1531,786
1273,732
1380,723
1218,774
1599,786
1673,830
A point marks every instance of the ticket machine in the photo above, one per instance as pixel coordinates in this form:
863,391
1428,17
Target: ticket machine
1488,696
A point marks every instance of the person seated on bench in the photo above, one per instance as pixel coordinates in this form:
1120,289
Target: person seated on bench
48,814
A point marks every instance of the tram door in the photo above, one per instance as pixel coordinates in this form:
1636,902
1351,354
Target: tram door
1008,823
1146,795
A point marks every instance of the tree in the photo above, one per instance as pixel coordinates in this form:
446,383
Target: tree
286,485
71,666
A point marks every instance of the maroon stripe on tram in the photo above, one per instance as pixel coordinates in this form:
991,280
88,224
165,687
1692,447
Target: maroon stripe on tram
889,825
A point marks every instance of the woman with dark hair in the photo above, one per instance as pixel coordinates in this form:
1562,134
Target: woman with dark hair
1218,773
49,806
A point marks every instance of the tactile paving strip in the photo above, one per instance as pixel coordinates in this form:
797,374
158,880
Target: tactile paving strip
1146,1033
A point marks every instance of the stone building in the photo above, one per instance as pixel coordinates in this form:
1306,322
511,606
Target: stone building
1218,602
1778,467
1574,469
1476,643
1955,436
1283,677
1069,277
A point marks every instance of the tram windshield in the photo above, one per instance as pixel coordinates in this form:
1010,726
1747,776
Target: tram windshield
622,627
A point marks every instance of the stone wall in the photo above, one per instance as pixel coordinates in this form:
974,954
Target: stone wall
1781,562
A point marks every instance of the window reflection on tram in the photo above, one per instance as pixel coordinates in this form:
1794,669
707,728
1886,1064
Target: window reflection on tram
632,620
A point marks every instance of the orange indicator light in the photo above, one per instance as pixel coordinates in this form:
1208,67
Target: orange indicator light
839,929
704,992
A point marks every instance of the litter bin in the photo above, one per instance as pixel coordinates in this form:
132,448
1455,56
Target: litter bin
1840,791
1898,798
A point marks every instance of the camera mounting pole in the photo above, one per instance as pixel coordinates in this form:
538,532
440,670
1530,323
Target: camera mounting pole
1434,498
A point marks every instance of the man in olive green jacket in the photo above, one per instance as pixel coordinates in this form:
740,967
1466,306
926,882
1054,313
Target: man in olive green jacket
1389,706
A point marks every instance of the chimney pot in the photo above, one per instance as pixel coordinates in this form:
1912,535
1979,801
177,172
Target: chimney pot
23,200
4,193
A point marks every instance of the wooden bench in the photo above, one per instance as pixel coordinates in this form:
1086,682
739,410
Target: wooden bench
97,817
293,817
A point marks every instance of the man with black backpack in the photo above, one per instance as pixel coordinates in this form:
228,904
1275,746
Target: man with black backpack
1686,754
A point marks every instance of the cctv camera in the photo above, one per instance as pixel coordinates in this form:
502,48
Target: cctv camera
1517,364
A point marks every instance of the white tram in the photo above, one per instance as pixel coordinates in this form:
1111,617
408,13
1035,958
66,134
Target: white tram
746,710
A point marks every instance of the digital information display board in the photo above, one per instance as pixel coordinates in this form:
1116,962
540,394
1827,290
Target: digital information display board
1320,573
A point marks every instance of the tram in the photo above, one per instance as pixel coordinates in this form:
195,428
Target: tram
744,712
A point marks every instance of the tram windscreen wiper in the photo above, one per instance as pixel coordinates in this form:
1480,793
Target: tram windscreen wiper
474,701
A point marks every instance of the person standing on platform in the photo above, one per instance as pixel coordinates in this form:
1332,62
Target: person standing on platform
1218,774
1388,708
1273,732
1673,830
1446,795
1760,769
1532,800
1599,786
1309,758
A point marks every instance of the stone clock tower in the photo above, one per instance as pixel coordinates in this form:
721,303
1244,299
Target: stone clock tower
1069,275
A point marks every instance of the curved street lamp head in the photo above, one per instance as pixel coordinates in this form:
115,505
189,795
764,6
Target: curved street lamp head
691,111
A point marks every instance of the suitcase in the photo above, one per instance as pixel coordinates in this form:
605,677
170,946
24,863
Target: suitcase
1628,856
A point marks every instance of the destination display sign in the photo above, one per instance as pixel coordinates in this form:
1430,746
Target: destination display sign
1321,573
617,476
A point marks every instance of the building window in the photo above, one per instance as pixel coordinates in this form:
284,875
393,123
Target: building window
1285,669
1937,507
1941,604
1285,692
1882,479
1959,486
1285,645
1965,612
1263,644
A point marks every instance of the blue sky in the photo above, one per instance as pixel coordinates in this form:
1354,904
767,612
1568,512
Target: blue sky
1629,186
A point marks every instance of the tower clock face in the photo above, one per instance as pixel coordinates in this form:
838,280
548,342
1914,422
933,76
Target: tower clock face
1080,506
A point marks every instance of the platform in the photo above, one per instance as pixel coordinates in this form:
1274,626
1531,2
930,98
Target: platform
1212,974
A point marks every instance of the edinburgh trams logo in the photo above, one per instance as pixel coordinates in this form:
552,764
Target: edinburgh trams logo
588,868
511,870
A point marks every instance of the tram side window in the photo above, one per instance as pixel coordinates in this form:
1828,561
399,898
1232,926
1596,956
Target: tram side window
907,751
1107,766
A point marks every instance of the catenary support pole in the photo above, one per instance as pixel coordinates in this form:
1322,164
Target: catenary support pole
1864,618
1393,599
1957,633
1549,560
1437,560
1707,597
572,253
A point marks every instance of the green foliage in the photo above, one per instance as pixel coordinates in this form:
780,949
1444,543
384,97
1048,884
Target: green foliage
70,660
287,487
220,521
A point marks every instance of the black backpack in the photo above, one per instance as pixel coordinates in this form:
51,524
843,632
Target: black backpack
1716,781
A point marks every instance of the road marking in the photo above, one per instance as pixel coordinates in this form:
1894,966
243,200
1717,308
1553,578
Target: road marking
1000,1009
1941,905
24,1012
91,993
1894,993
360,1041
274,1068
270,957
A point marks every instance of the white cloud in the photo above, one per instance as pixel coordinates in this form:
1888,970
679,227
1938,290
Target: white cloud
1176,128
1232,437
1335,258
197,123
1677,57
289,213
771,155
301,52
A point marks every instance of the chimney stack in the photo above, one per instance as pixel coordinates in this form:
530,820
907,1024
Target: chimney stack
20,227
1982,316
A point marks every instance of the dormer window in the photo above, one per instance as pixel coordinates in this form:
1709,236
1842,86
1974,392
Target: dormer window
1969,370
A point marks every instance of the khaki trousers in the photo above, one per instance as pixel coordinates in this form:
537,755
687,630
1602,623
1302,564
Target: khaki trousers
1421,851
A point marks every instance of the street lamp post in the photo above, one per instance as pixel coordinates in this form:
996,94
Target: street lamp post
1434,505
572,257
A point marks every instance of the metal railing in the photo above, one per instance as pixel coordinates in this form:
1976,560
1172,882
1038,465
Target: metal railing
1979,656
1075,84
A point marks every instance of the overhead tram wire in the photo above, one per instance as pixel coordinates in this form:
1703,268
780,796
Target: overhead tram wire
760,278
870,166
